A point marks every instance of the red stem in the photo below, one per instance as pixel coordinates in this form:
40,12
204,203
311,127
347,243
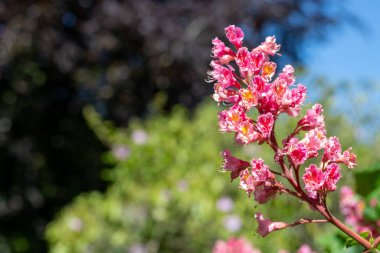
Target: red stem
365,243
305,221
376,242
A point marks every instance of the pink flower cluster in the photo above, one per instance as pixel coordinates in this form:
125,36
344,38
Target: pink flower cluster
352,207
254,177
252,87
323,178
244,81
234,245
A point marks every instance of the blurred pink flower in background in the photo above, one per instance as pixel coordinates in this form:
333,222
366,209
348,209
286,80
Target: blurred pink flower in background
352,207
232,223
305,249
234,245
120,152
139,136
225,204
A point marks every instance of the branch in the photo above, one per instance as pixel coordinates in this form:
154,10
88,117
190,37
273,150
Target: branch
283,189
306,221
376,242
365,243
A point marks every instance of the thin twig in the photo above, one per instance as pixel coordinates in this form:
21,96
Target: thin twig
305,221
376,242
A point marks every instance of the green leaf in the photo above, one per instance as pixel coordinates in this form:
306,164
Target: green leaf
350,242
367,180
365,234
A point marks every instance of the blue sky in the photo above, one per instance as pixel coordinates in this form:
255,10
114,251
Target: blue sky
350,54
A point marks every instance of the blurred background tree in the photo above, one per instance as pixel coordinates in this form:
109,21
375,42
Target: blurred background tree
57,56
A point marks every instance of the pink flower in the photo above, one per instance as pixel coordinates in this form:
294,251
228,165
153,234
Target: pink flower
121,152
249,63
225,204
297,98
312,119
235,35
269,47
269,102
297,151
266,225
258,180
314,179
223,75
332,176
246,133
281,92
333,153
352,208
260,85
225,95
314,140
233,164
299,154
333,150
348,158
305,249
139,136
247,181
348,202
234,245
281,99
232,223
278,99
317,180
229,120
268,70
260,171
265,124
221,52
249,98
294,98
287,75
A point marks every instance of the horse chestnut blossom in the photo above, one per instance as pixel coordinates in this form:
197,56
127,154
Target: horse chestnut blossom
245,82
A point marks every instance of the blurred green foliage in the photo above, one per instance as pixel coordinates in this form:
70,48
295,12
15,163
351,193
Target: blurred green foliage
166,193
368,180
